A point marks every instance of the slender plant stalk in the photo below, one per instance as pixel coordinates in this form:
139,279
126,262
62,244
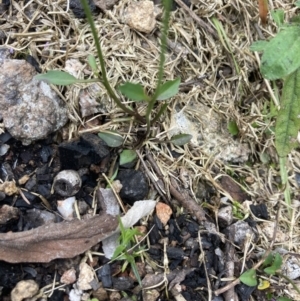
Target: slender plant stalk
163,48
160,112
104,79
285,183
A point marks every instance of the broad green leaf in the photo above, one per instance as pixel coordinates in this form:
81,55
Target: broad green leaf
278,16
288,121
181,139
57,77
281,55
233,128
92,62
259,45
168,89
249,278
133,91
127,156
111,138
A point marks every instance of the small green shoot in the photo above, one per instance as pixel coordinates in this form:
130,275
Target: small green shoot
238,211
232,128
125,251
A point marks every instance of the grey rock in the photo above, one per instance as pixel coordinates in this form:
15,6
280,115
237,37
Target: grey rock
37,217
30,109
225,216
240,230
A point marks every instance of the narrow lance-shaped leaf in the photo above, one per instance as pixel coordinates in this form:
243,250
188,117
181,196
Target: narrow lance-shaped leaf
57,77
92,62
133,91
168,89
288,119
112,138
181,139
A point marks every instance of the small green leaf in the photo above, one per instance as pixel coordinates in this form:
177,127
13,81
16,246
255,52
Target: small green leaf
168,89
249,278
127,156
270,270
288,119
268,261
233,128
276,264
277,261
136,272
133,91
111,138
278,16
57,77
181,139
92,62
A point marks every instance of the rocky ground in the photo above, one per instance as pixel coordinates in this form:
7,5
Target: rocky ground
207,211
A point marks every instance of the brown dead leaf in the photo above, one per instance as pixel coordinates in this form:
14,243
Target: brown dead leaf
61,240
163,212
235,191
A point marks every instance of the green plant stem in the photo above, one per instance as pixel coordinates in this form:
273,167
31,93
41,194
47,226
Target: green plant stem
160,112
105,81
91,80
163,48
285,183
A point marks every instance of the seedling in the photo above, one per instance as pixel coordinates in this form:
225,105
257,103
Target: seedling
126,250
272,265
133,91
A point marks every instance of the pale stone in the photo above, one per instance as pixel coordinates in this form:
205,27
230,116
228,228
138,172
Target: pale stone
141,16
